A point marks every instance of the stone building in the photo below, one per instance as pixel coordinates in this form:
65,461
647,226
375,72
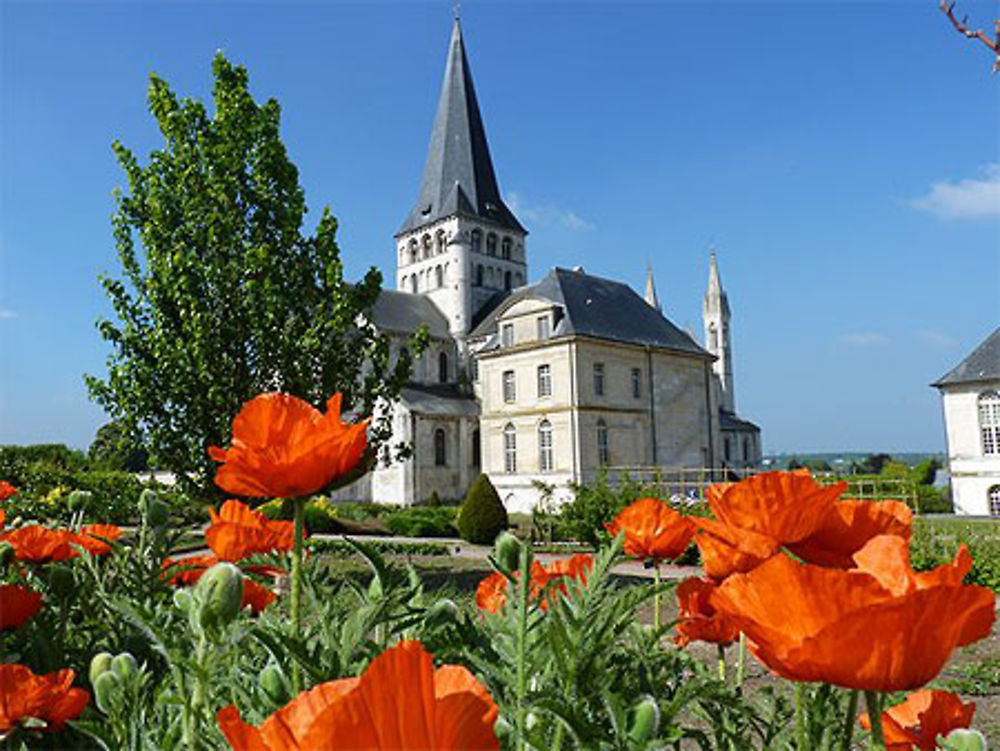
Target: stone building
970,397
546,381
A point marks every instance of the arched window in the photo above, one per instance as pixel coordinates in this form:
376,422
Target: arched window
477,241
746,449
413,283
545,446
510,449
989,422
506,280
713,338
505,249
994,497
439,242
479,275
439,276
518,279
413,250
402,255
489,277
727,449
477,452
491,244
443,368
427,246
404,283
439,445
603,454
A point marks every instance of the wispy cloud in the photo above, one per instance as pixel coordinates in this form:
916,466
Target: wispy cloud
863,339
938,340
547,214
971,197
7,313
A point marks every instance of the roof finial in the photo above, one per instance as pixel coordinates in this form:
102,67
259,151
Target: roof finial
457,8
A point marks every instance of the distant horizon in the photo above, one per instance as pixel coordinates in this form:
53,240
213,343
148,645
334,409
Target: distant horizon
847,178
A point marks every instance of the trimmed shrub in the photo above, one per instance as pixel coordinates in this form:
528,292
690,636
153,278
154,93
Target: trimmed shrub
482,516
423,522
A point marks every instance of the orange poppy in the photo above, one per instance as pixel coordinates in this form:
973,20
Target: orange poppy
3,517
787,506
921,718
238,532
37,544
491,594
653,530
93,537
189,570
875,628
847,526
726,550
400,702
17,605
6,490
283,447
50,698
698,620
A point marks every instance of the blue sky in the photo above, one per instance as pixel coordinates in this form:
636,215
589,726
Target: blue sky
843,159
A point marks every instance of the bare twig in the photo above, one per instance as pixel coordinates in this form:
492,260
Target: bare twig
962,28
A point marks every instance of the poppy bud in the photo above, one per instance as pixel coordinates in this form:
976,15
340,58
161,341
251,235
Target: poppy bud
78,500
182,599
100,663
272,680
124,665
105,687
507,552
219,593
154,511
7,553
964,739
61,581
441,613
644,720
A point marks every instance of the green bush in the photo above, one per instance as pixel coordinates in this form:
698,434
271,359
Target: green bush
482,516
935,541
427,521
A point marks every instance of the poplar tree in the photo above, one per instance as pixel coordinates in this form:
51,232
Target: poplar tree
221,294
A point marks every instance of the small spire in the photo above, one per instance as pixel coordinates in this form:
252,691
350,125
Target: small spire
714,281
650,295
457,7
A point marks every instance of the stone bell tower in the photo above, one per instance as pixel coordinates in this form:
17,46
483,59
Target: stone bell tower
715,312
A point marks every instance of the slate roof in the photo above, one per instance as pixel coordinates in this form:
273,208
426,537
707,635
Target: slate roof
443,399
404,312
730,421
597,307
458,176
982,365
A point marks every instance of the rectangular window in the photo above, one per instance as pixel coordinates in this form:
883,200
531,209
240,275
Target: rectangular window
544,380
603,453
545,447
509,450
507,335
509,389
598,379
474,367
636,383
543,328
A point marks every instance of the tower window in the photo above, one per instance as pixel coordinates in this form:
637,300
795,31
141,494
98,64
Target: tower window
474,368
746,449
505,249
439,276
994,498
727,449
598,379
989,422
413,283
713,338
510,449
545,446
427,246
491,244
413,251
544,380
443,368
477,452
507,335
636,383
439,241
439,447
543,326
404,282
603,454
477,242
479,275
509,387
506,280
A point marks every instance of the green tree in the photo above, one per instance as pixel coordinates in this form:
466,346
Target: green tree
113,448
227,297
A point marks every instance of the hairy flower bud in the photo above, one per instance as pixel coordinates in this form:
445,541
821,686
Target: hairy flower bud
507,552
61,581
272,680
78,500
99,663
218,594
105,687
644,721
963,739
154,511
441,613
183,599
124,665
7,553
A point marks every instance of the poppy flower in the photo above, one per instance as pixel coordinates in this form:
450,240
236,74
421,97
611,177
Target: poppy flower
921,718
6,490
50,698
283,447
848,526
491,594
400,702
653,530
188,571
37,544
17,605
93,537
878,627
237,532
698,620
727,550
3,517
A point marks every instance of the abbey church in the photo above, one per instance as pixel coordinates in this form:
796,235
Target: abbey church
535,381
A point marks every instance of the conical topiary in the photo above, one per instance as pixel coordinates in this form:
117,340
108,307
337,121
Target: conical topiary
482,516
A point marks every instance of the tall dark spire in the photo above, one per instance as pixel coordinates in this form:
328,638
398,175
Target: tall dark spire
459,177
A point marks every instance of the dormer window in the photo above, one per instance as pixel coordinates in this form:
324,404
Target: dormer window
507,335
426,210
491,244
544,329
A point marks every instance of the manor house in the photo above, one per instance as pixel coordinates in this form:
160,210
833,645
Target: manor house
545,381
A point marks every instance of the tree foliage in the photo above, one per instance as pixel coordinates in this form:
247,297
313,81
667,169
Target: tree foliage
113,448
222,296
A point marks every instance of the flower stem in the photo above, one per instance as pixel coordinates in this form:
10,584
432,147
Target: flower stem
739,663
722,662
299,506
802,740
874,702
656,596
523,590
852,710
